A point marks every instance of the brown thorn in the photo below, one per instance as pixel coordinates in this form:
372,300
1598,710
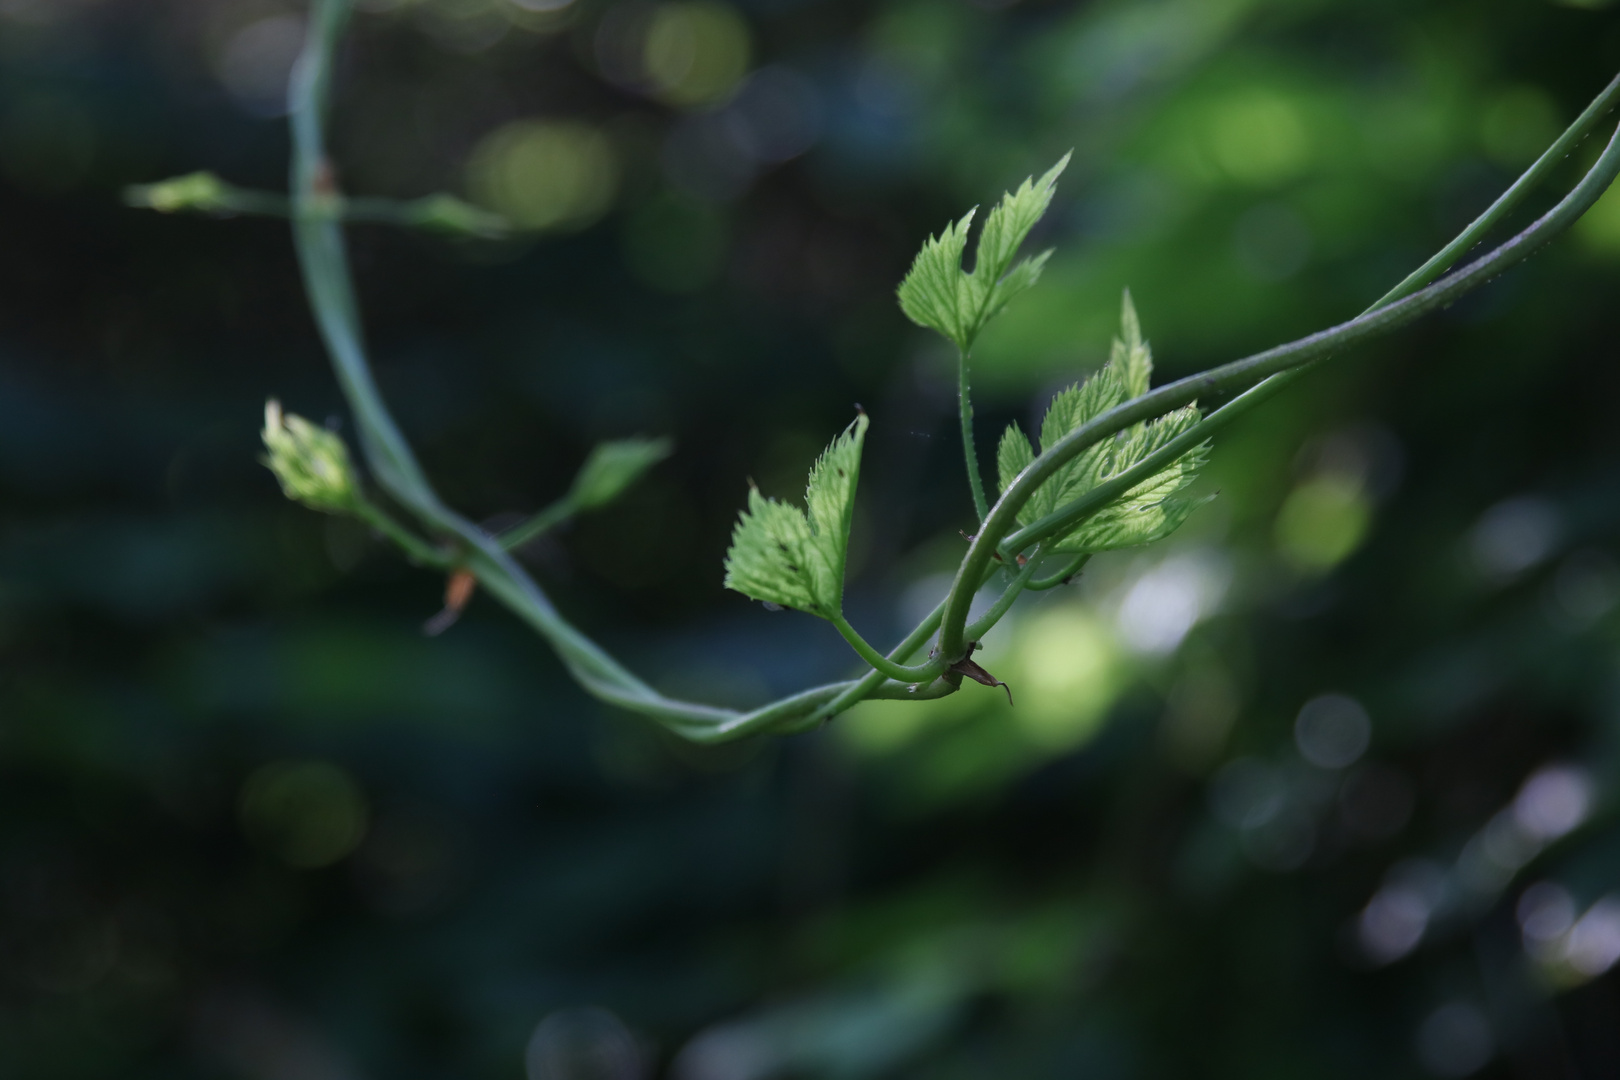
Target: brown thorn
458,590
966,666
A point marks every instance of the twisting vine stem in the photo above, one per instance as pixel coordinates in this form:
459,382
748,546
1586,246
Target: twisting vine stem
453,541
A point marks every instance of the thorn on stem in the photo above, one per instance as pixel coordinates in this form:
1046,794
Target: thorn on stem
966,666
458,590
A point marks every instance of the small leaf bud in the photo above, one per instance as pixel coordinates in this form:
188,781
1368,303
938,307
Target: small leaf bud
194,191
310,462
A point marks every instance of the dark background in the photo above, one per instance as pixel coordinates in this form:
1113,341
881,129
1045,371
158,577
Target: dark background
253,824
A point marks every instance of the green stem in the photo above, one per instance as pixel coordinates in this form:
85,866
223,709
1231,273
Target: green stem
1578,130
324,262
1565,144
1062,577
445,213
882,664
1378,321
1004,602
970,454
418,549
542,522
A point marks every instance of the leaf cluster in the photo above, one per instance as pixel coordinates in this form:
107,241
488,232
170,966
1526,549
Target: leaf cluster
1149,511
937,293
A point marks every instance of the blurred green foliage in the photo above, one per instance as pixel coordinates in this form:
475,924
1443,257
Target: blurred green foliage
255,825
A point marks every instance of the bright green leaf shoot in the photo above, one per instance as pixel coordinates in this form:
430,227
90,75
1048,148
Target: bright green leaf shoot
1130,355
1150,511
781,555
939,294
311,463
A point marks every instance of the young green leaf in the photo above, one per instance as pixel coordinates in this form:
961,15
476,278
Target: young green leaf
1071,408
1154,508
939,294
1130,355
781,555
1013,455
1151,510
1010,222
934,293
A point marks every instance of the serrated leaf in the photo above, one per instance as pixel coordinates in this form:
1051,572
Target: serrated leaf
1010,221
1152,509
781,555
769,557
1070,409
1020,278
1130,355
1013,455
938,294
1148,512
934,292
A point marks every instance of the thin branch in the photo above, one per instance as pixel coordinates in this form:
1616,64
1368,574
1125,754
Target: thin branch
323,260
878,662
205,193
1004,602
970,453
415,547
1063,576
537,525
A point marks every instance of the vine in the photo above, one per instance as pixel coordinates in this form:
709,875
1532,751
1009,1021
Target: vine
1114,464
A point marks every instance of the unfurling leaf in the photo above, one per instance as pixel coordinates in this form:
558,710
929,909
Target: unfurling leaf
939,294
614,466
1130,355
781,555
1152,509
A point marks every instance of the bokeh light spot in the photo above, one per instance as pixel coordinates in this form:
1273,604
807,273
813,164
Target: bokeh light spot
1332,731
1259,138
1515,535
1546,912
1599,228
1068,675
1455,1040
257,62
1553,801
1593,945
543,174
583,1044
695,53
1163,605
1322,521
308,813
